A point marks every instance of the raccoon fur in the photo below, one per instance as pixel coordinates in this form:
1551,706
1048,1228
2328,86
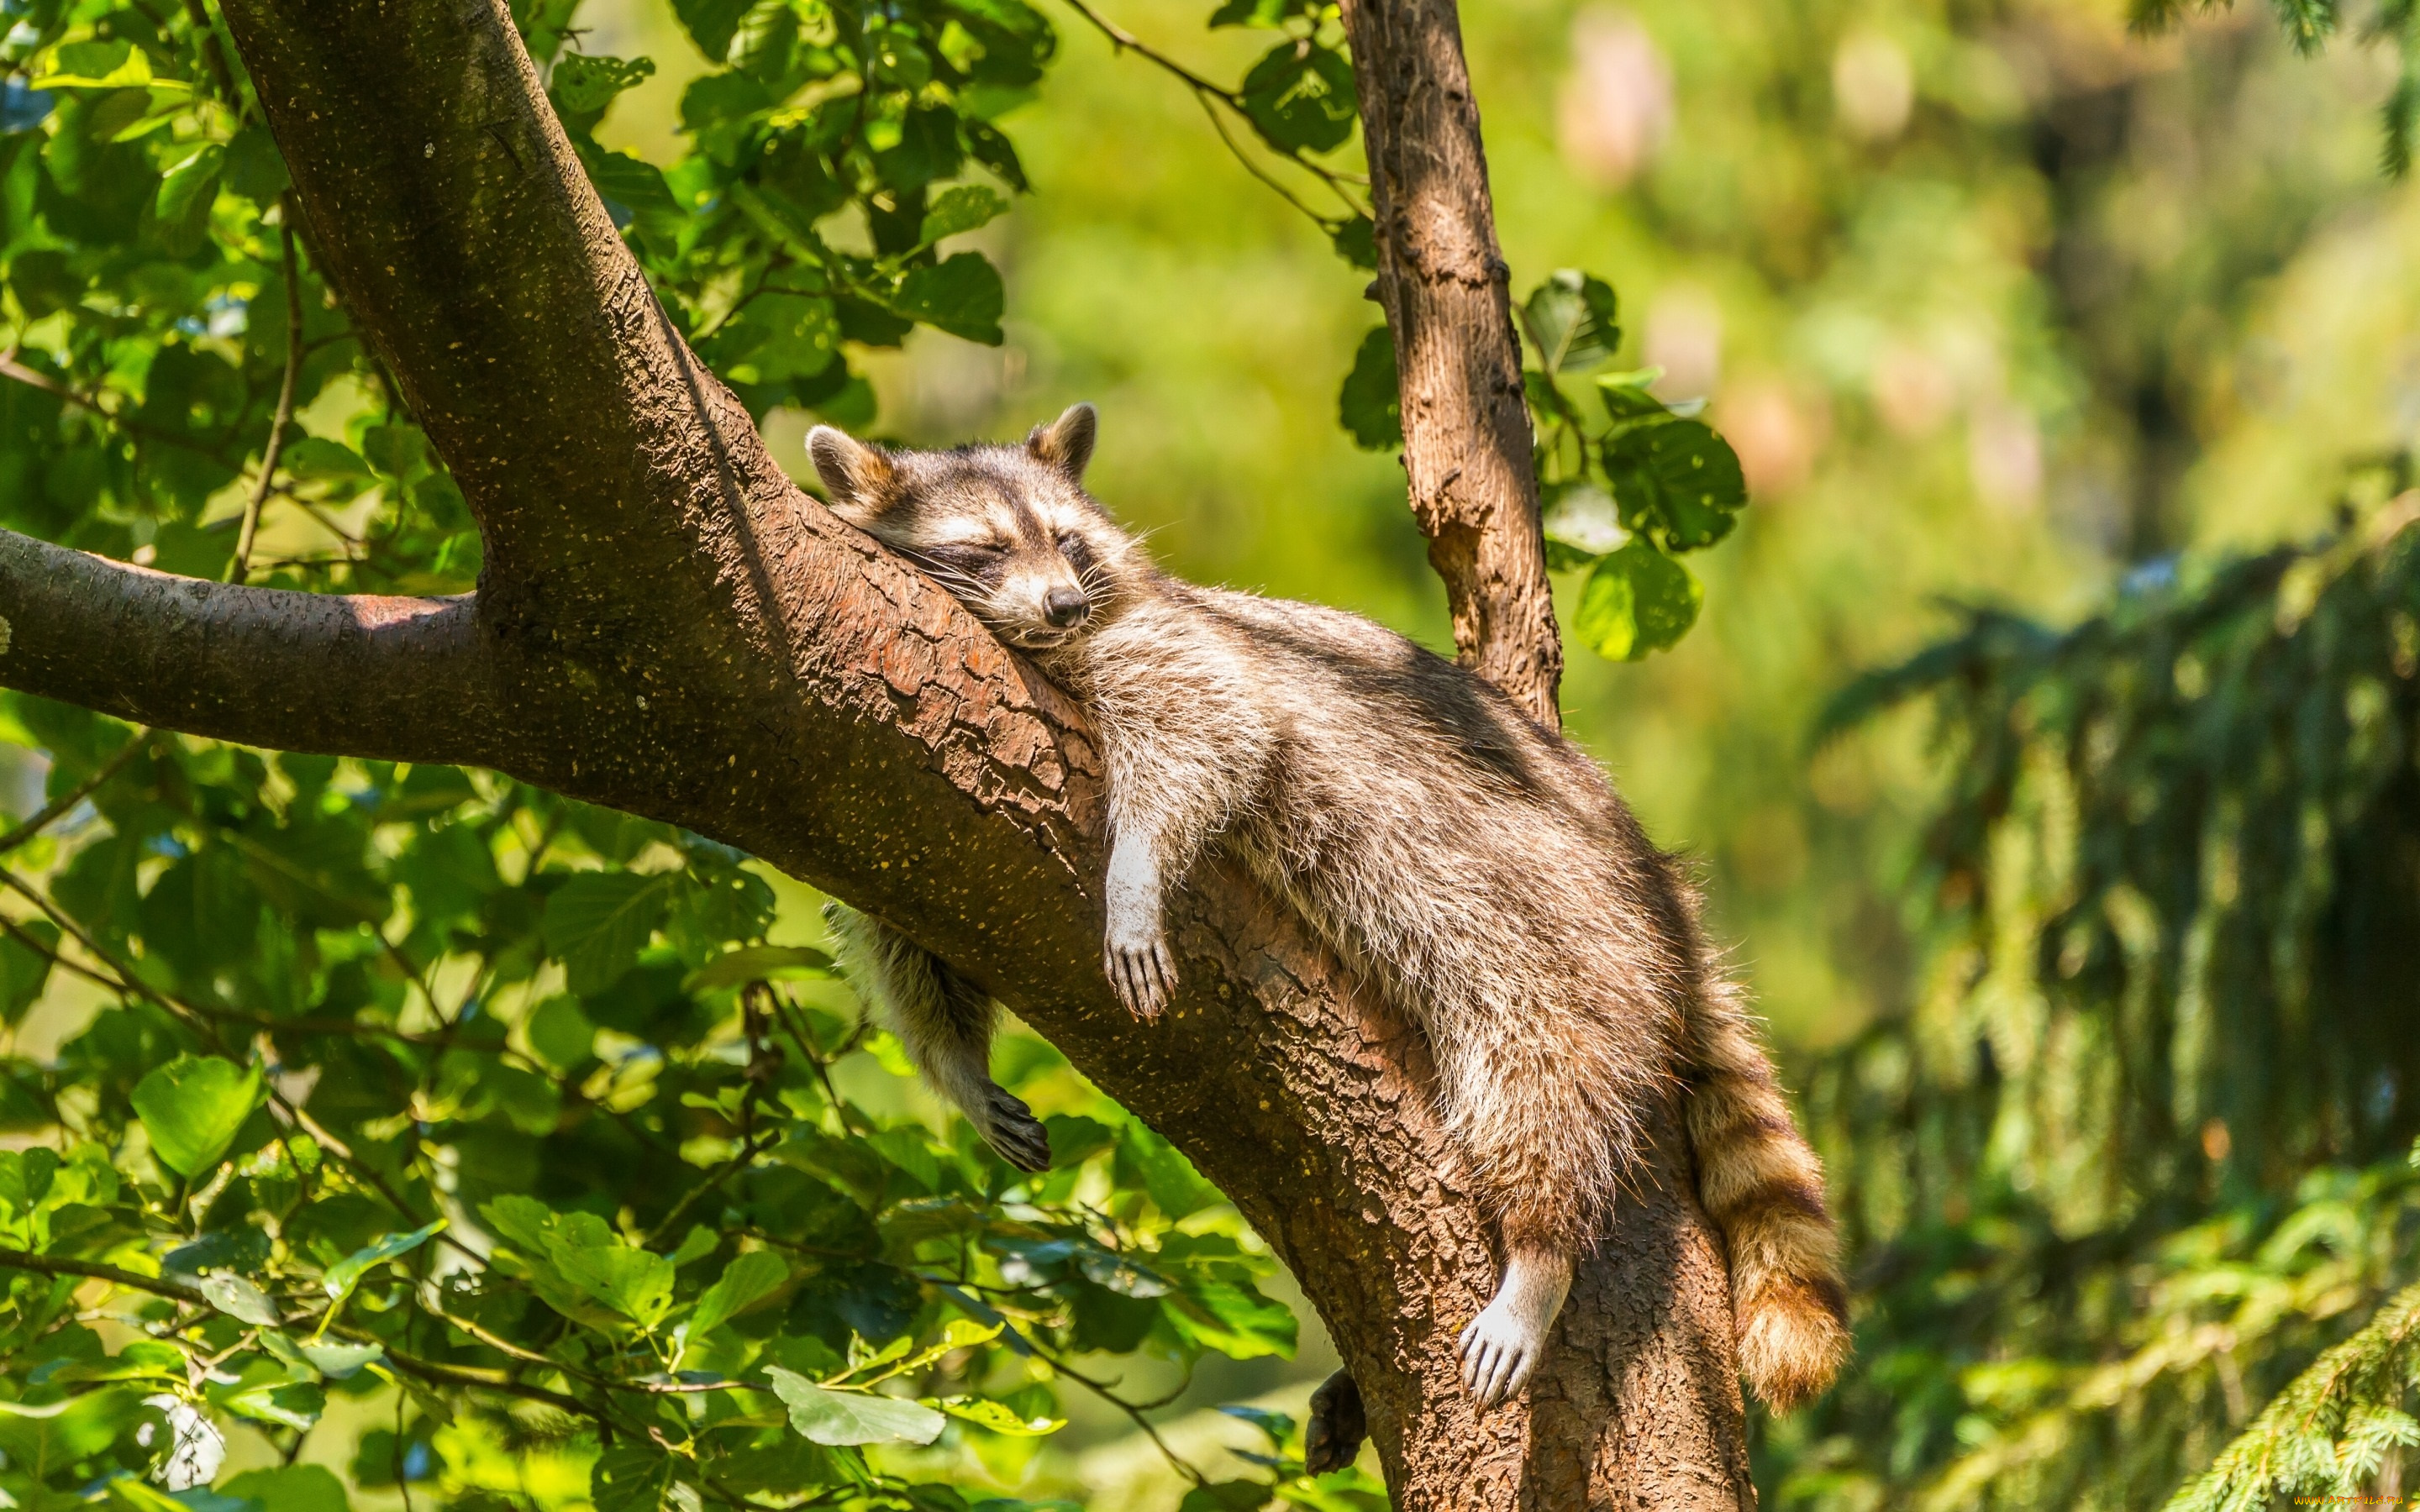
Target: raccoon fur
1477,869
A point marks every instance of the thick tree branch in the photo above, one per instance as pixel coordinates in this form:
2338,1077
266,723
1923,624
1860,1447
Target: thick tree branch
401,678
667,626
1443,282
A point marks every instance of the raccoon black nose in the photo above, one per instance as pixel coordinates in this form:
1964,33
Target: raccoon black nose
1066,607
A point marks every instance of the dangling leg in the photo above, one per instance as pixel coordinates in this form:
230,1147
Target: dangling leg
946,1023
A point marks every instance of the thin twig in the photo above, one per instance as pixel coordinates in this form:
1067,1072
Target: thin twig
1209,92
214,56
238,568
1102,1389
96,1271
32,378
50,812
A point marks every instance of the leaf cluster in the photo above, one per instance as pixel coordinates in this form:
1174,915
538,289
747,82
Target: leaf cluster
1627,483
423,1083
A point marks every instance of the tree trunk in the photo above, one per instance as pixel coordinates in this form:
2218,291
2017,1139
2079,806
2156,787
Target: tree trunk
666,626
1444,286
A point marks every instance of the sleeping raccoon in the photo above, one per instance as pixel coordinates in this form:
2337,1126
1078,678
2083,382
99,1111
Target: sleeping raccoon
1477,870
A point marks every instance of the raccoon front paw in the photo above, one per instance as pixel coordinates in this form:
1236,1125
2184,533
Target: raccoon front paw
1142,972
1014,1132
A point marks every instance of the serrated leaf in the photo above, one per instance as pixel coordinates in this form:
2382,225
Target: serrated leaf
597,922
842,1418
1299,97
192,1107
1638,600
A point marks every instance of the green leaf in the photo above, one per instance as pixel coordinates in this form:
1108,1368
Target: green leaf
1357,242
1581,517
629,1477
192,1107
584,86
633,1282
1262,13
597,922
42,1441
316,457
238,1298
1147,1161
837,1418
1370,405
636,195
23,970
999,1417
711,24
756,962
559,1031
1680,476
1299,97
745,1282
1571,317
346,1273
1638,600
182,206
961,295
956,211
290,1489
1236,1322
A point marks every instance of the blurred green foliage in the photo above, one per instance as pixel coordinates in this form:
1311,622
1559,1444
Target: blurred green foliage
2139,1152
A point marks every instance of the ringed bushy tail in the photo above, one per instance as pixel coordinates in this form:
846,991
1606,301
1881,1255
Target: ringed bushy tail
1763,1188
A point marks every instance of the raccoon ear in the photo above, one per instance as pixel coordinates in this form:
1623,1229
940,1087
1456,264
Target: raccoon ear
858,476
1066,442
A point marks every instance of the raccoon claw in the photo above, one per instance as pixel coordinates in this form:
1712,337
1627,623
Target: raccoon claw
1337,1425
1143,975
1013,1133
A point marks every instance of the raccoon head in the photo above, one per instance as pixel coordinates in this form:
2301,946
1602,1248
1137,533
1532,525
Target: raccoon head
1009,530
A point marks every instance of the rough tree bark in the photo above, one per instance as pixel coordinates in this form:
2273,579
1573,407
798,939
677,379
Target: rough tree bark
666,626
1444,288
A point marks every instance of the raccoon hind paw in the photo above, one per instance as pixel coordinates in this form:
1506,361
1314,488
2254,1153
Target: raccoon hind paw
1013,1130
1337,1425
